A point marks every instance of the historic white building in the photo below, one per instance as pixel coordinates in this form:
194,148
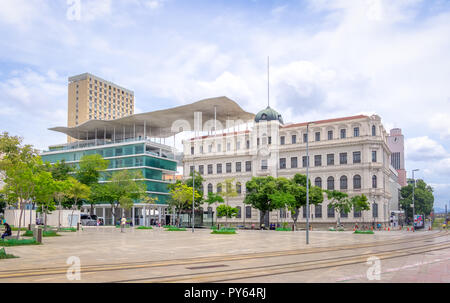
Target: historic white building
349,154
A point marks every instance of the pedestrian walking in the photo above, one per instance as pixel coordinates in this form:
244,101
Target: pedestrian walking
123,221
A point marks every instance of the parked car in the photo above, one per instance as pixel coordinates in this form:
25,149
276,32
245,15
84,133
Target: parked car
88,220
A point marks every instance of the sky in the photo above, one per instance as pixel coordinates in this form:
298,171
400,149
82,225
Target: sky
328,59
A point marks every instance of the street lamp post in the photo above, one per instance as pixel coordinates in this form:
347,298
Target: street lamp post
307,183
193,193
414,185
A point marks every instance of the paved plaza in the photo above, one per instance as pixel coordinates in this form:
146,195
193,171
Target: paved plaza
142,255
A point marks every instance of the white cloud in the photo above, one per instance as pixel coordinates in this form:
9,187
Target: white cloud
440,122
424,149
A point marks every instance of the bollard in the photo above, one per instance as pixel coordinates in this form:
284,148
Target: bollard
389,229
38,235
78,226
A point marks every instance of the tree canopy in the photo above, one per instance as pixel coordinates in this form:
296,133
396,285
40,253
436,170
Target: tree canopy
423,198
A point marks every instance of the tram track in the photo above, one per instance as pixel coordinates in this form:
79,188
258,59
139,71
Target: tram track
23,273
285,268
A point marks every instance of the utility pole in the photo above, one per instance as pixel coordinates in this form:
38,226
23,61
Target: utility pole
307,183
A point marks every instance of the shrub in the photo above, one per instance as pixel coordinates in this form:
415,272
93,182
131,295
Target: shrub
282,229
369,232
68,229
15,242
144,227
175,229
169,226
4,255
224,232
48,233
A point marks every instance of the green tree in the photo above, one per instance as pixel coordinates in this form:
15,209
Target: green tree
19,165
77,191
423,198
88,171
226,211
198,187
340,202
258,191
228,192
360,203
123,188
299,192
46,187
181,198
59,170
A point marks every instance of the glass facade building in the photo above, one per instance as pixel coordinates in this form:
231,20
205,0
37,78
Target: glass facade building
152,159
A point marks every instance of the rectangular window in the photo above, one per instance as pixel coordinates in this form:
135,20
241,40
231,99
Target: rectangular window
191,170
248,166
264,164
228,167
330,159
343,133
219,168
248,212
248,144
374,156
201,169
305,138
318,211
282,140
294,162
219,147
192,150
356,132
238,145
228,146
395,160
304,161
317,136
238,167
356,214
357,157
375,210
330,135
282,163
294,139
330,212
210,169
343,158
318,160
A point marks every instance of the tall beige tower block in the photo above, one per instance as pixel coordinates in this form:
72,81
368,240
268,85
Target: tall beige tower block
91,97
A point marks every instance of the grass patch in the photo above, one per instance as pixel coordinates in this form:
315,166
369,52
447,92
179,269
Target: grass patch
21,229
15,242
368,232
4,255
224,231
48,233
169,226
68,229
175,229
282,229
144,227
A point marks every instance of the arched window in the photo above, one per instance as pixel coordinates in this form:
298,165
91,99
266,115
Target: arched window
210,188
318,182
343,182
357,182
219,188
239,212
374,181
374,130
330,183
238,188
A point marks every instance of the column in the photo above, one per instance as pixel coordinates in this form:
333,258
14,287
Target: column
144,216
159,214
132,215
